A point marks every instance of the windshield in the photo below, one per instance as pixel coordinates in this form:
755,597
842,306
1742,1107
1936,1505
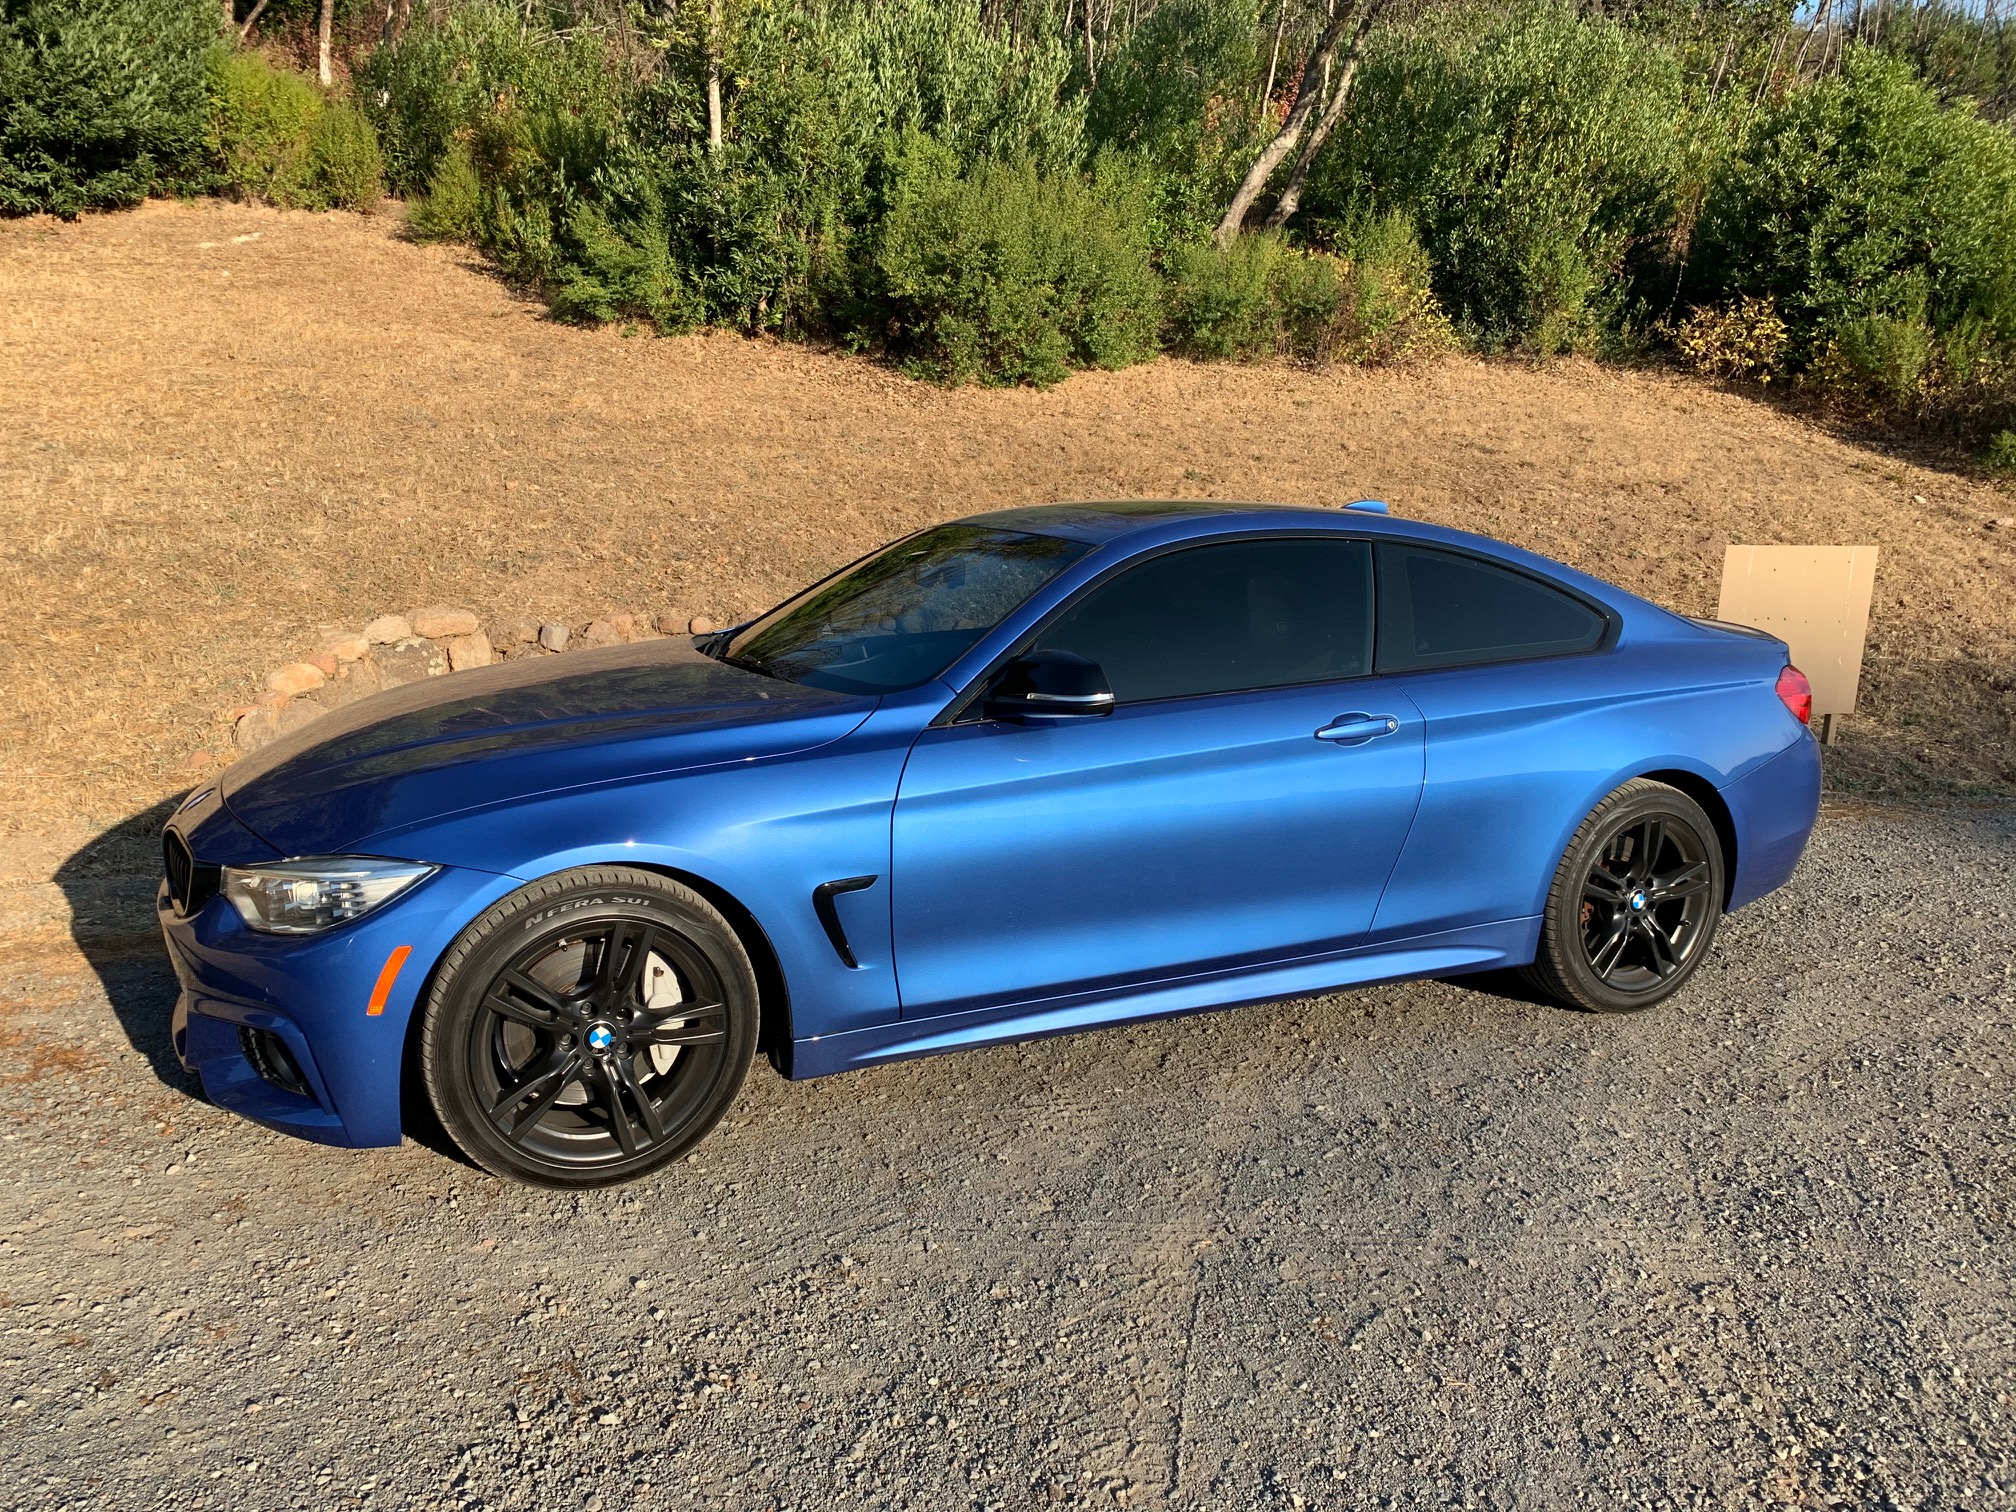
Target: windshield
902,616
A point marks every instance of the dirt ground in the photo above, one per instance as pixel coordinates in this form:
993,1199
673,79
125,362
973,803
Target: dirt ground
222,427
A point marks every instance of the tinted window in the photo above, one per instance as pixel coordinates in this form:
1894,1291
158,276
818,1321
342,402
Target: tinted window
1215,619
902,616
1437,609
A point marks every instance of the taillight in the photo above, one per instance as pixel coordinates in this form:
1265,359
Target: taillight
1796,693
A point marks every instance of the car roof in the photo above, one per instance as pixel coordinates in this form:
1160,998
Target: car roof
1152,523
1097,522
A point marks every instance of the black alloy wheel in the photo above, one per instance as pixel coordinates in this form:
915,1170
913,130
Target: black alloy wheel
589,1029
1635,902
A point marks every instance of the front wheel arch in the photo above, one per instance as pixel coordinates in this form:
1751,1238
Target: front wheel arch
773,993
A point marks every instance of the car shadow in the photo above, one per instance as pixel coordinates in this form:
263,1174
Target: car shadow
109,884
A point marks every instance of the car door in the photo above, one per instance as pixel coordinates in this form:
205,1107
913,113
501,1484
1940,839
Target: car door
1243,803
1528,713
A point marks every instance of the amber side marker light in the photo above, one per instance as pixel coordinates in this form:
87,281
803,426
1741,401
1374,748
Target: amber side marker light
1796,693
386,977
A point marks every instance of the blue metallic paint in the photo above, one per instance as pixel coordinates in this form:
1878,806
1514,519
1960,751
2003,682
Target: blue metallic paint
1031,880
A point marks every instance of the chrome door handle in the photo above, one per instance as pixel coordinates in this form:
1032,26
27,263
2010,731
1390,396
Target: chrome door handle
1356,729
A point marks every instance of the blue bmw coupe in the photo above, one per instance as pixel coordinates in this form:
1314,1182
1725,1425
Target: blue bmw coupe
1035,771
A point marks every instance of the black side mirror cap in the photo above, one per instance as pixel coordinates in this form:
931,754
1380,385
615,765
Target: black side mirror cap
1049,685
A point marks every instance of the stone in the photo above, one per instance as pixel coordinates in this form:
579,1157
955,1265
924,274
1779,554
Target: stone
625,626
599,632
353,680
295,677
700,625
554,637
253,729
441,622
295,715
672,622
346,646
521,632
325,664
409,661
388,630
466,651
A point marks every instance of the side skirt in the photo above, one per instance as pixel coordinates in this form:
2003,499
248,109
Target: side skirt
1477,947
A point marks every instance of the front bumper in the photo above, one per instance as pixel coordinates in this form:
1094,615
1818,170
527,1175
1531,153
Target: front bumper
315,995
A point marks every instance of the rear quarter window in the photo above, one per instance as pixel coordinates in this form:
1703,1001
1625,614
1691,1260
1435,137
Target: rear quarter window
1442,609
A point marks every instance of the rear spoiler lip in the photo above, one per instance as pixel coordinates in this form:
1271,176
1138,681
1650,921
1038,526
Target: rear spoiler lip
1732,628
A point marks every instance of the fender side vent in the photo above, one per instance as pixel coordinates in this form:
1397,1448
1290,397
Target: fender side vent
829,916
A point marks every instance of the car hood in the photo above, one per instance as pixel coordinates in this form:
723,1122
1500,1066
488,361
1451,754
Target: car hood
498,734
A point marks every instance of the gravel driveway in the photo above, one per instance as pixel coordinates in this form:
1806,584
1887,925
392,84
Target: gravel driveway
1412,1246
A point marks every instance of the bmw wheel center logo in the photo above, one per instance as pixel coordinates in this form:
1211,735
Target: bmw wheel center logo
1637,903
601,1037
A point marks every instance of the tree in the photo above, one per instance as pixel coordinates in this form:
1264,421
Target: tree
1317,92
1339,91
323,70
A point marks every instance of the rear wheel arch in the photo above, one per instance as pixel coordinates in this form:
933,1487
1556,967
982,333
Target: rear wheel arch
1709,796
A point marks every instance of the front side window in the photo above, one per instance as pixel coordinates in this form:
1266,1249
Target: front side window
1439,609
899,618
1226,617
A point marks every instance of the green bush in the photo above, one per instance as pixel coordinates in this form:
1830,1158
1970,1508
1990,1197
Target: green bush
1220,302
451,207
1005,275
275,137
101,101
1262,297
1744,340
1871,215
453,68
1534,152
344,164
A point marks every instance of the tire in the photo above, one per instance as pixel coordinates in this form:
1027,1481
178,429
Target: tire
617,1005
1634,905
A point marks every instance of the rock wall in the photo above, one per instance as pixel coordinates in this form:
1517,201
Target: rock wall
394,649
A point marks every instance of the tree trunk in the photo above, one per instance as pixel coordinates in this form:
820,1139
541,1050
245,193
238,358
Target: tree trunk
1306,99
1340,93
323,68
714,76
252,20
1273,61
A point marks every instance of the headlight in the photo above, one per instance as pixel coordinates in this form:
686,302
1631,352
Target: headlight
301,897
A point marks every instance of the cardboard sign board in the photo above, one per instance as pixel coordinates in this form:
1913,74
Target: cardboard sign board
1816,600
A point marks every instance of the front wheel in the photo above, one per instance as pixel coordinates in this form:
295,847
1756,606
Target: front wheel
589,1029
1634,904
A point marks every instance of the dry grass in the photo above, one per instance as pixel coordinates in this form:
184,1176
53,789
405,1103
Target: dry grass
213,446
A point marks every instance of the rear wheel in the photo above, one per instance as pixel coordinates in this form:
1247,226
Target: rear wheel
1635,902
589,1028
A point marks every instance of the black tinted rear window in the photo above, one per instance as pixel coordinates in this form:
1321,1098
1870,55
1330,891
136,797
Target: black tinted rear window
1440,609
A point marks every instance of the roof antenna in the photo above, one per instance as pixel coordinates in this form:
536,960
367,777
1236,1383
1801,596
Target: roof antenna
1369,506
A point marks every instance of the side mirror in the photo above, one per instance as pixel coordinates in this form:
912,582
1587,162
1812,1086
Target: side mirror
1049,685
